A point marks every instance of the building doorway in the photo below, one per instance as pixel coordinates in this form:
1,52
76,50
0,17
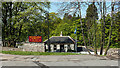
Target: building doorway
62,48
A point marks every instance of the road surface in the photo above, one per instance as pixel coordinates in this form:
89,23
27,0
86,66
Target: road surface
57,61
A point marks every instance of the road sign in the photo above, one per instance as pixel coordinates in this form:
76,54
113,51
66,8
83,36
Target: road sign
35,39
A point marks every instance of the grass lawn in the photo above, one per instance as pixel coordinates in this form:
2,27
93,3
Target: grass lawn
37,53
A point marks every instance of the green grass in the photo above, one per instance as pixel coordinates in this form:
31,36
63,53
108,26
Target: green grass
37,53
102,55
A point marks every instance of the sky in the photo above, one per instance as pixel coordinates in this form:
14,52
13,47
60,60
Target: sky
55,6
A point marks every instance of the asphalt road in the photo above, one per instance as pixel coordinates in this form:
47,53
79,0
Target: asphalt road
86,64
52,61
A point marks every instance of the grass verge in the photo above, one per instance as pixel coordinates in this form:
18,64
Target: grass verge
37,53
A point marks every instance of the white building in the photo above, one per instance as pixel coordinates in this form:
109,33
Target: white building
60,44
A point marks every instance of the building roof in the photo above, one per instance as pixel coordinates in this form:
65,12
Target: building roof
60,40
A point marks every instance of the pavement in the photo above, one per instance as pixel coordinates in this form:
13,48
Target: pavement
50,61
83,63
18,63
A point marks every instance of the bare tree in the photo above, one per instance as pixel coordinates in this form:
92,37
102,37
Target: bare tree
101,50
95,47
82,28
102,26
66,7
100,7
110,31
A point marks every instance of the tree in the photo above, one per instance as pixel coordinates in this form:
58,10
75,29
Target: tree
101,13
79,5
92,16
103,28
110,31
16,17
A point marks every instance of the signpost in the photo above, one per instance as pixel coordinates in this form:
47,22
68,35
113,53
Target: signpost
35,39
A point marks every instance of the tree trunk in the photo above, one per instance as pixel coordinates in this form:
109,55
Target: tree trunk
92,40
82,28
4,19
49,47
110,31
20,30
10,17
3,42
95,32
14,43
103,29
95,50
101,49
88,37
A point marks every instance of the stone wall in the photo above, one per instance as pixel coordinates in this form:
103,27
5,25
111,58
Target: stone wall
34,47
114,52
11,49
